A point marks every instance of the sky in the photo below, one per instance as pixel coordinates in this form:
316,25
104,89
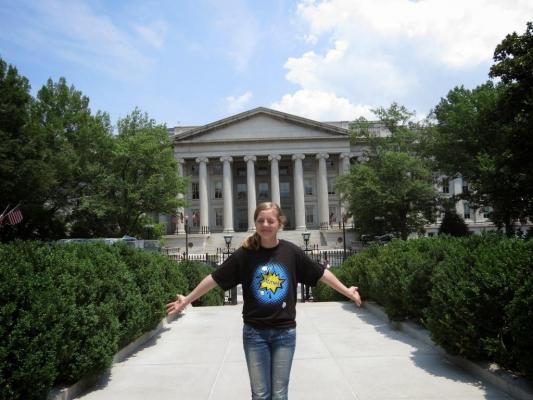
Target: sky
192,62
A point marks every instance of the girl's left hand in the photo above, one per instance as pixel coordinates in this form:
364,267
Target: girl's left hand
354,295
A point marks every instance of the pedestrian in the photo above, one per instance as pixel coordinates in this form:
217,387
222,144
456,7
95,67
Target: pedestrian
269,270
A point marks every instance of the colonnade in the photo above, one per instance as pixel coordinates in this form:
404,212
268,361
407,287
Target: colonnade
250,160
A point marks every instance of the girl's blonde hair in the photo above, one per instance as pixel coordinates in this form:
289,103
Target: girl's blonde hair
253,242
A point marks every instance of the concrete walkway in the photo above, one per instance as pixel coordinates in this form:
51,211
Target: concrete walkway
342,353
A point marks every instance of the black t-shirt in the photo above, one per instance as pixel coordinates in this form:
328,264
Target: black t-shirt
269,280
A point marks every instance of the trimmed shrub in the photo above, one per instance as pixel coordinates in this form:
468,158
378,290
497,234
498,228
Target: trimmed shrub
195,271
66,310
470,296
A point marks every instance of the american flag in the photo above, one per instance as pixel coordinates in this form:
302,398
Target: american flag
11,218
14,217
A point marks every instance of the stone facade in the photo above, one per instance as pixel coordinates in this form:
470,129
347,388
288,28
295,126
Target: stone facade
262,155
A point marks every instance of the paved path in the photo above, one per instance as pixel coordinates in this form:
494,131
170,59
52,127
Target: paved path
342,353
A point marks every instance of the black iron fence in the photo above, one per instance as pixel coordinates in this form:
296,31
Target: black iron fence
329,258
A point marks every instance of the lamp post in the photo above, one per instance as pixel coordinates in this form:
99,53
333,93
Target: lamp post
306,236
344,236
233,291
305,288
187,237
227,239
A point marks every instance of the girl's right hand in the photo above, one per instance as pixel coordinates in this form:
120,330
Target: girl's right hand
176,306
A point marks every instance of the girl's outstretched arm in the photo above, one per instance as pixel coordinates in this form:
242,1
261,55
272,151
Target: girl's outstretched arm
332,281
203,287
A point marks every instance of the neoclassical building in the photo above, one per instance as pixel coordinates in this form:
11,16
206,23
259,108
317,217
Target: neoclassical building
262,155
266,155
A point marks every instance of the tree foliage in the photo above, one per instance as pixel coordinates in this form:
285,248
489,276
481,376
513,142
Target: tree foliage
141,177
484,134
453,224
391,191
68,171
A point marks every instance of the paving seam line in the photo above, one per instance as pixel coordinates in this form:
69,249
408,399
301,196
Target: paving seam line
516,387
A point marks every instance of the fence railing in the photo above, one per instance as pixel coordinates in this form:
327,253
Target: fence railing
327,257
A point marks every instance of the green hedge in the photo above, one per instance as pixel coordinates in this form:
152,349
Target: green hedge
195,271
474,294
65,310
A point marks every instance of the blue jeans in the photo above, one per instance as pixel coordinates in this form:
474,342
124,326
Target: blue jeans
269,354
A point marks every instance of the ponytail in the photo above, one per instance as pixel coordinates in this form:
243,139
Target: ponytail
252,242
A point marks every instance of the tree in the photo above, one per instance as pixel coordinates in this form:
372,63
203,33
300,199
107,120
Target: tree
392,190
513,59
453,224
472,140
25,173
141,178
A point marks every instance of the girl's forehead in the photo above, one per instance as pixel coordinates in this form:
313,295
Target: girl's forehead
268,213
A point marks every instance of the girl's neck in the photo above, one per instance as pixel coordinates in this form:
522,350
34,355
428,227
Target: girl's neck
268,244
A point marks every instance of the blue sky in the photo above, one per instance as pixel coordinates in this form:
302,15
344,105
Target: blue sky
191,62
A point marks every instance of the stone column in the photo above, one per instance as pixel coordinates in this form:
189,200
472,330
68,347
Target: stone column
204,196
274,178
344,168
250,182
180,211
323,201
228,194
299,202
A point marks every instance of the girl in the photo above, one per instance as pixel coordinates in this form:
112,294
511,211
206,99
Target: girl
269,270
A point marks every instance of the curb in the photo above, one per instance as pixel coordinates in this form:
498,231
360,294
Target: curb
512,385
71,392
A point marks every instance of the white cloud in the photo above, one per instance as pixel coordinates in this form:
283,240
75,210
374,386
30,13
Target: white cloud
153,33
374,52
321,106
239,29
237,103
459,33
77,33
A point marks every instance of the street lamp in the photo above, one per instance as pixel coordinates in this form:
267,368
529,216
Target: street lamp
227,239
187,237
306,236
305,288
233,291
344,217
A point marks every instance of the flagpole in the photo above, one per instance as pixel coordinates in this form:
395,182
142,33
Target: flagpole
1,215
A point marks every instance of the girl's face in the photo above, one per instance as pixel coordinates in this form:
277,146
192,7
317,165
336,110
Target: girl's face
267,225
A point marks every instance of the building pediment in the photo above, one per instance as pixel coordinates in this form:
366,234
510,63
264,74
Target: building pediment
261,124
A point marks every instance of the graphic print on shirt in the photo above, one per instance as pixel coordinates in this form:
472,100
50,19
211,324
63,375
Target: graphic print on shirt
270,283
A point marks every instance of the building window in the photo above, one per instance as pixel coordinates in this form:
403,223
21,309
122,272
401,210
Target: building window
241,171
466,208
331,185
309,215
308,164
283,170
330,164
486,212
217,169
262,171
333,215
195,190
218,189
284,189
219,219
195,217
263,191
431,234
445,185
465,187
194,169
241,191
308,186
